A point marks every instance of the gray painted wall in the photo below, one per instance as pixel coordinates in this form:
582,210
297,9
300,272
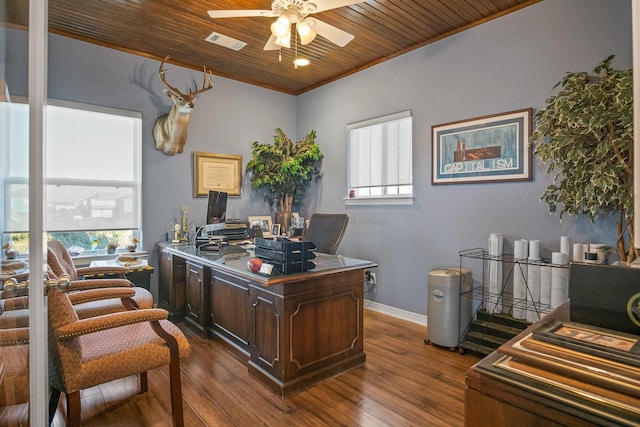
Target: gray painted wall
506,64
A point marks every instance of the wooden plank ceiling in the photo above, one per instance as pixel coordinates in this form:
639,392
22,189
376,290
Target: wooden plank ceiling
383,29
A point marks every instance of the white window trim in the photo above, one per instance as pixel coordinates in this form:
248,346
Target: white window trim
379,200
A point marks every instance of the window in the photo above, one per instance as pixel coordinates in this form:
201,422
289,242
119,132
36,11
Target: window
92,174
380,162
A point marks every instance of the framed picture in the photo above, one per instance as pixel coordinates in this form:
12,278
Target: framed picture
600,342
264,223
221,172
484,149
275,230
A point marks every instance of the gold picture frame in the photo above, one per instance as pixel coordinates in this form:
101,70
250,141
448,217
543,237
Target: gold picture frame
263,222
219,172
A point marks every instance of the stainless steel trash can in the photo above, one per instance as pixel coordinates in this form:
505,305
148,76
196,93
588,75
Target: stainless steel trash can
447,314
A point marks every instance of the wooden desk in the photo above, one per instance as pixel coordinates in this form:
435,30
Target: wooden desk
295,330
505,389
139,274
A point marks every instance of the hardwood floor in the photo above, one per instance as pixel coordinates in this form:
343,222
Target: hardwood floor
404,383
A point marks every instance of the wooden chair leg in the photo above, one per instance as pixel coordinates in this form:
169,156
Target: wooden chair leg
73,409
176,392
174,373
54,399
144,383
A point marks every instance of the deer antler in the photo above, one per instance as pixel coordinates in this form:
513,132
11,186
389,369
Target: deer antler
206,85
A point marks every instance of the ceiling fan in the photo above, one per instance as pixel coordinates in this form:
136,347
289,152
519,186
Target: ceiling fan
289,12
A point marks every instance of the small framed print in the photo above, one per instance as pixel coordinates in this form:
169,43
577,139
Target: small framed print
275,230
264,223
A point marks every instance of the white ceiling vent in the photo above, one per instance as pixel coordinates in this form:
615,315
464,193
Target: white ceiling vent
225,41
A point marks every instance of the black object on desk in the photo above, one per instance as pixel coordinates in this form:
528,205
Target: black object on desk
207,247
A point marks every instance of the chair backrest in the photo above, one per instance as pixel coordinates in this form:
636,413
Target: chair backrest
326,231
60,261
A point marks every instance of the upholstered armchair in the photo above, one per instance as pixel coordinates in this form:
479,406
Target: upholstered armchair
60,262
99,349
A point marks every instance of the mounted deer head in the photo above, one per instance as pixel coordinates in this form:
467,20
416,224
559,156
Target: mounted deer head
170,130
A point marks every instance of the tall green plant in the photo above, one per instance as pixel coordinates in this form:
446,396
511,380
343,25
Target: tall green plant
585,134
285,169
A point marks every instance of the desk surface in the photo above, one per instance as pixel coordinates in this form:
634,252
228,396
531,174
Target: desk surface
233,258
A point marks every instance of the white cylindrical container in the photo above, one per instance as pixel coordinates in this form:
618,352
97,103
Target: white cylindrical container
578,253
559,279
534,250
565,244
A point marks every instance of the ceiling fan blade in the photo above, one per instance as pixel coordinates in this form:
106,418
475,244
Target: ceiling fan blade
271,44
239,13
322,5
333,34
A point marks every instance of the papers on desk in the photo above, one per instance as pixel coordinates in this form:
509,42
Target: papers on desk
124,262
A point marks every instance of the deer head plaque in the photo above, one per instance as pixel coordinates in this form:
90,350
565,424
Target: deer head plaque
170,130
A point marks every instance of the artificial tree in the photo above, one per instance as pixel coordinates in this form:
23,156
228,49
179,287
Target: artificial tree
585,134
285,169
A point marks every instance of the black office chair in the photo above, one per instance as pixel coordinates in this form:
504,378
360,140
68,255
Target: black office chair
326,231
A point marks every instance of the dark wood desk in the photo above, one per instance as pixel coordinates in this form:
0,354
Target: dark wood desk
295,330
139,273
510,387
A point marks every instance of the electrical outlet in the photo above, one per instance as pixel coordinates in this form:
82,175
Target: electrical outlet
370,276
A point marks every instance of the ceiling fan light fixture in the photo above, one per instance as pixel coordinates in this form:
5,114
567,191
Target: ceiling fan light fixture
284,41
306,33
281,27
301,62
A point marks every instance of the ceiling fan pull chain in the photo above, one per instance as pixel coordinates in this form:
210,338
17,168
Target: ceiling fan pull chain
295,56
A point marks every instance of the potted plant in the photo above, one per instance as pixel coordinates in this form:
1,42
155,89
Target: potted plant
285,170
585,134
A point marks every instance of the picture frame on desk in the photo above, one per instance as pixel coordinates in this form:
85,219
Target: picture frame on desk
263,222
219,172
275,230
592,340
483,149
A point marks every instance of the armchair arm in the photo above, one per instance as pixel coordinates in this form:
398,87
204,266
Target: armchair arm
20,277
102,270
16,303
109,321
100,294
14,336
81,285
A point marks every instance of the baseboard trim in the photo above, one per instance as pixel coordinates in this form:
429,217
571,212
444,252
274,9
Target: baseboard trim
396,312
